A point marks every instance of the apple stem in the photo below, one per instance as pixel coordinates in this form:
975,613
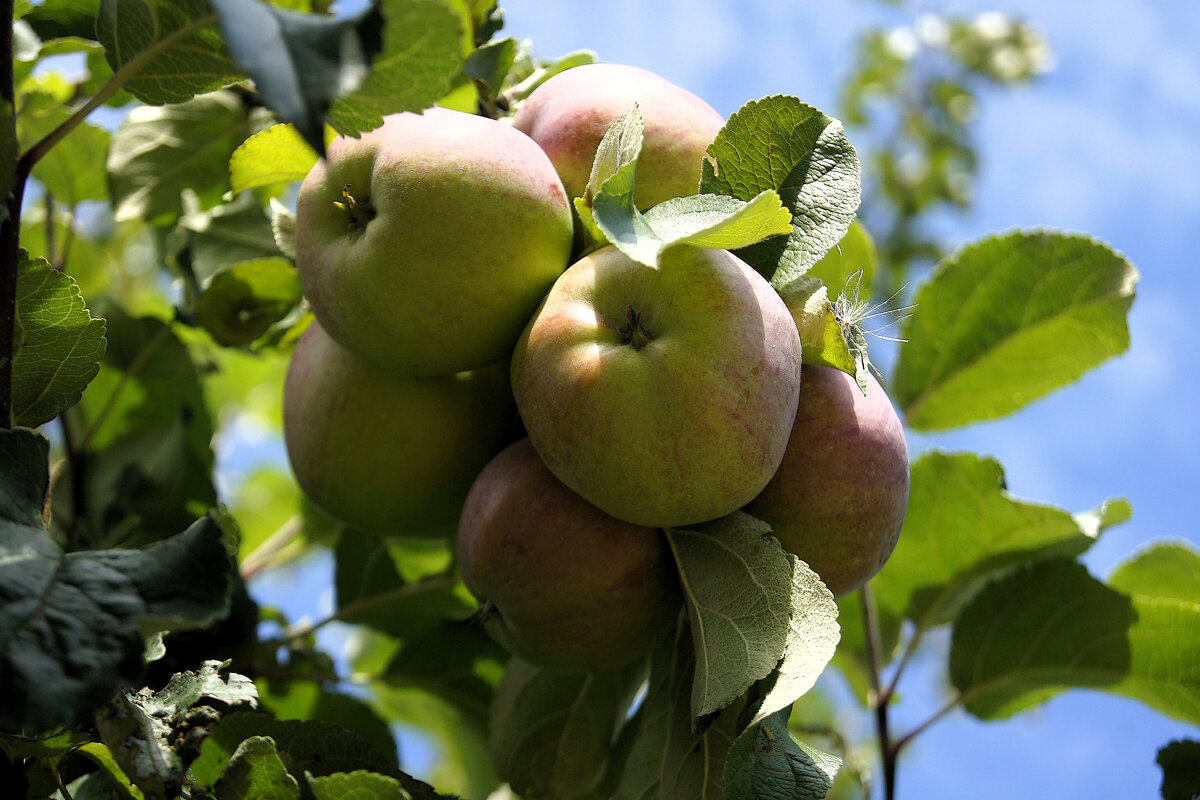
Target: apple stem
632,331
358,212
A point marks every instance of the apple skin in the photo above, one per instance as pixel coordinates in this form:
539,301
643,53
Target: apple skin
460,226
564,585
839,498
569,114
383,452
685,428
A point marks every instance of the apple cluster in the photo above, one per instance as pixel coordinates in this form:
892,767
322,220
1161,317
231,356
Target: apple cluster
473,372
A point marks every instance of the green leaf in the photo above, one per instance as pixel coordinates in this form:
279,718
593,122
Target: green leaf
103,758
56,19
145,425
767,762
782,144
157,153
551,732
1164,585
308,700
491,63
70,170
206,242
453,660
961,529
466,767
241,303
1052,626
1007,320
822,339
274,156
256,772
812,639
154,737
172,48
706,220
58,345
854,253
301,62
357,785
737,584
1180,762
668,754
422,56
72,624
321,748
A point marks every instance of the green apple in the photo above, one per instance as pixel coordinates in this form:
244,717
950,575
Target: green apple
665,395
569,114
384,452
839,497
425,244
564,585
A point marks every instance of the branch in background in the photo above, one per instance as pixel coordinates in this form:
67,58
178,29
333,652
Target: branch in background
10,229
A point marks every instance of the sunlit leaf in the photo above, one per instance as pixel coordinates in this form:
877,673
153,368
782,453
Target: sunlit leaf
1007,320
58,345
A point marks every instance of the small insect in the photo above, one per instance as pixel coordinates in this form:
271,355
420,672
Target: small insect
851,311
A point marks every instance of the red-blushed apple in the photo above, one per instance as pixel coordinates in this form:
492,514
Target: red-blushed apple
564,585
665,395
384,452
838,499
425,244
569,114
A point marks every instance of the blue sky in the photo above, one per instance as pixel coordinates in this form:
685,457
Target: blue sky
1107,144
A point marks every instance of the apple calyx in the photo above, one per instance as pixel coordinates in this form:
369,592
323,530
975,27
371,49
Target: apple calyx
358,212
632,332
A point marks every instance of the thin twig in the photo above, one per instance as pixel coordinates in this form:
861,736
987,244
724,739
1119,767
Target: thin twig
880,700
260,558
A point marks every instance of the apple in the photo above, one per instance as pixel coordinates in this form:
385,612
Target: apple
425,244
383,452
564,585
569,114
839,498
664,396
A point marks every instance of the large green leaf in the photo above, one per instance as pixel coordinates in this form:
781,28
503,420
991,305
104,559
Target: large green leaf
811,641
171,48
1052,626
72,624
737,585
551,733
158,152
782,144
421,57
962,527
58,345
1007,320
